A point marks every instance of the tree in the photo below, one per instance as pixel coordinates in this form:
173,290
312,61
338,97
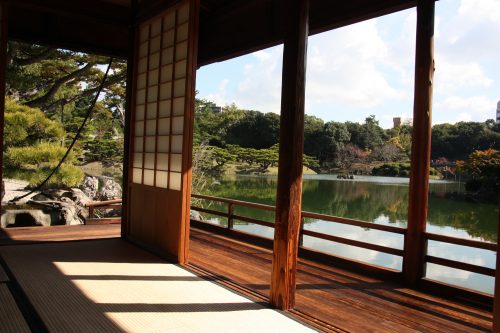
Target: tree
255,130
33,148
50,79
333,139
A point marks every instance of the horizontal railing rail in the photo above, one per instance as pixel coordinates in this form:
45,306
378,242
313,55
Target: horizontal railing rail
231,217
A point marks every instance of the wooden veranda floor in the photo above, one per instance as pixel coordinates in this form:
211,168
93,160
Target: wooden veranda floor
339,300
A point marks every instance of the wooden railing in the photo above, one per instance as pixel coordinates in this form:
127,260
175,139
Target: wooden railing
229,214
102,205
231,217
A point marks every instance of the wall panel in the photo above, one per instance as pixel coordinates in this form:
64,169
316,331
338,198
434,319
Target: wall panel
161,130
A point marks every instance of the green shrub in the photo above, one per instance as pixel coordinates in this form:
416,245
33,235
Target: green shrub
37,156
25,126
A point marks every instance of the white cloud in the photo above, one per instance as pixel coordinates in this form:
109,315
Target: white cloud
450,76
260,88
219,97
458,108
347,67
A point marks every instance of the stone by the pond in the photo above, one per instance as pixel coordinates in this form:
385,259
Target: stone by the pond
110,190
28,218
90,186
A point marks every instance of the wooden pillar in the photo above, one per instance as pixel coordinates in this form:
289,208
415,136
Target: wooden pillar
289,191
3,65
127,155
496,296
415,245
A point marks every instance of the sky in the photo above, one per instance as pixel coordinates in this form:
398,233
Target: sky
368,69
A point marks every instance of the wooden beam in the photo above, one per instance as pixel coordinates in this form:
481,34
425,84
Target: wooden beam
3,70
415,244
289,191
496,297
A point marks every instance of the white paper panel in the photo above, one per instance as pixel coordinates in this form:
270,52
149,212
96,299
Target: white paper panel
181,51
177,125
139,128
179,106
142,66
165,108
162,161
175,181
153,77
149,160
176,143
180,69
156,27
155,44
164,126
151,127
166,90
143,51
163,144
161,179
176,162
183,14
137,160
137,176
154,60
168,38
139,112
152,94
141,81
149,177
144,33
182,32
169,21
138,142
167,56
150,144
140,97
151,110
166,73
179,87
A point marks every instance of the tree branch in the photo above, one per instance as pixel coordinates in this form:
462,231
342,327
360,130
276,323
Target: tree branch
112,80
40,101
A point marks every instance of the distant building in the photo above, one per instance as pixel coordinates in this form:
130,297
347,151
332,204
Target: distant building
216,109
397,122
498,112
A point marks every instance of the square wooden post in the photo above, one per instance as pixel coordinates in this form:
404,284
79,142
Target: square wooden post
289,191
3,70
415,245
496,295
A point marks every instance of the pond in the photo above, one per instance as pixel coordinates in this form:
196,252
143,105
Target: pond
381,200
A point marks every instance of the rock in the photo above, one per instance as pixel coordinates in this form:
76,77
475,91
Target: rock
90,186
3,190
28,218
69,213
109,190
194,215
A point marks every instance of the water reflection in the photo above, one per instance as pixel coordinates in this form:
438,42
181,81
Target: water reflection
381,200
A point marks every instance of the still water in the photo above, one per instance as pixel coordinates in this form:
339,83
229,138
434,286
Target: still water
381,200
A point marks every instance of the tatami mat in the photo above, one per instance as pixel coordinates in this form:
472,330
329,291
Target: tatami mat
112,286
11,319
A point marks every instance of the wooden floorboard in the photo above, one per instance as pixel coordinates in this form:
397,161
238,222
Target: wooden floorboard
26,235
345,300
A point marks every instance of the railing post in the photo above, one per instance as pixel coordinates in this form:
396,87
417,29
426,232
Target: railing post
415,244
230,212
496,296
289,189
301,234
